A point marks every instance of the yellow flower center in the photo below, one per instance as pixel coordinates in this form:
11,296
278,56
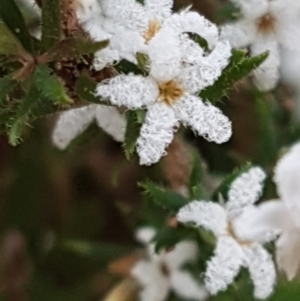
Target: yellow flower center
266,23
153,28
169,92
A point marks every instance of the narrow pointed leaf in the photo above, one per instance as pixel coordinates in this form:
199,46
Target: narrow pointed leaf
50,86
51,23
167,199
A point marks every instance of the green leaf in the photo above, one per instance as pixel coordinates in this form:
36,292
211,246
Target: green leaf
143,61
267,137
126,67
168,237
238,67
196,178
199,40
50,86
51,23
167,199
6,85
85,88
9,44
14,20
74,46
23,115
223,188
135,120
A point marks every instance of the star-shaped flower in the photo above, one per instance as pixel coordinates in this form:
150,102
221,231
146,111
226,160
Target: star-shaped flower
75,121
161,273
170,93
231,254
279,216
265,25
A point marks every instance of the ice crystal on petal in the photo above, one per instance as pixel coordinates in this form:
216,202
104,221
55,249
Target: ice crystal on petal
204,214
129,90
245,190
156,133
262,270
224,266
161,9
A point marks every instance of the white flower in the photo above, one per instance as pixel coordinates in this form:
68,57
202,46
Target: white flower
232,254
130,26
170,93
163,272
279,216
265,25
75,121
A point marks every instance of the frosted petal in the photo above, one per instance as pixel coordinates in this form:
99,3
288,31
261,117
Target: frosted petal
156,133
188,21
262,270
128,13
130,90
206,70
111,121
159,9
245,191
205,119
165,64
185,286
209,215
224,266
71,124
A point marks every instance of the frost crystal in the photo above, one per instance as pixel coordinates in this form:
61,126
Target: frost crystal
170,93
75,121
231,253
163,272
265,26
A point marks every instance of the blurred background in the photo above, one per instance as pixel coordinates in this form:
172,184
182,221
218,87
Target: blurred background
68,218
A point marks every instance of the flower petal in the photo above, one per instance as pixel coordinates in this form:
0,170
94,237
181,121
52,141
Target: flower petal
287,253
71,124
156,133
130,90
245,191
287,178
159,9
239,34
205,119
128,13
262,270
252,9
206,70
155,286
185,286
263,222
111,121
165,55
224,266
209,215
188,21
182,253
105,57
267,74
